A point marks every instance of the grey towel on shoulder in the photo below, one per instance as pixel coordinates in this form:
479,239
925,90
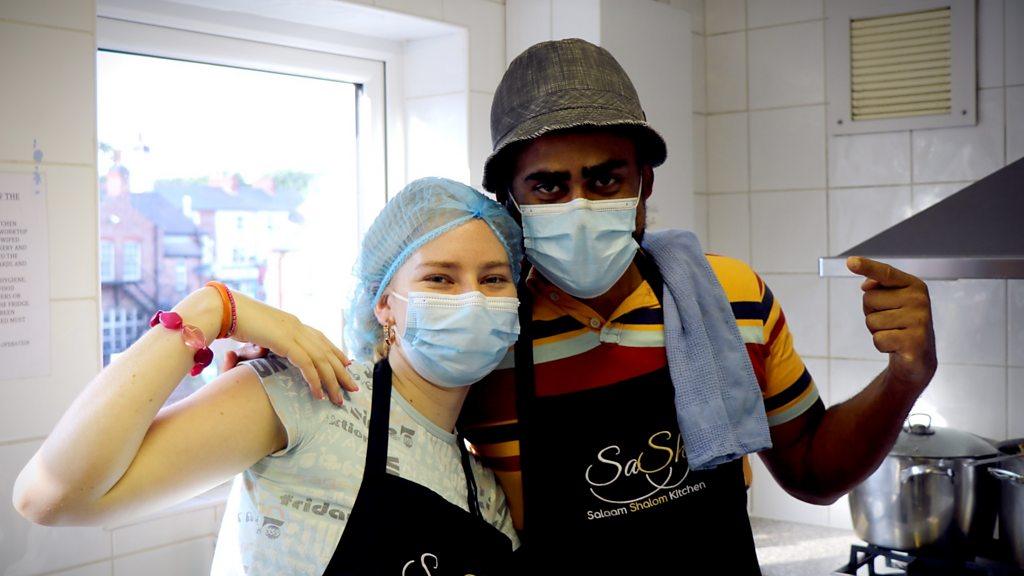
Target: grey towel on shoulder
719,404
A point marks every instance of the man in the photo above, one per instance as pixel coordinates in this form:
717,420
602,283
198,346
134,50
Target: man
585,435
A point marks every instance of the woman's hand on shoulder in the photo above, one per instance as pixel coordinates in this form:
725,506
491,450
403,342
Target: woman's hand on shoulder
323,365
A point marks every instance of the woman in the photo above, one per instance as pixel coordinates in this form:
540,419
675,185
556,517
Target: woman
374,482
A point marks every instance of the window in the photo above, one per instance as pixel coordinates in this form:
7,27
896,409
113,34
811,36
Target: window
206,159
181,276
106,261
131,264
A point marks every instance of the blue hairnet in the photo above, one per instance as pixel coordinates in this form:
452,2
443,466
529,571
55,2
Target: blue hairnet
422,211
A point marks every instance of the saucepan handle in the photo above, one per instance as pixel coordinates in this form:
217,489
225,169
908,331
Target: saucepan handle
921,469
1013,477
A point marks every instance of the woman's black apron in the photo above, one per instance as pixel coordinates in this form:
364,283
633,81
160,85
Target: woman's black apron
606,484
402,528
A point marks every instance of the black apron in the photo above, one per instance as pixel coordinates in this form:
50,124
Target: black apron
607,488
402,528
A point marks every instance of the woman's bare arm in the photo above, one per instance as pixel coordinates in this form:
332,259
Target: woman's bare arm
113,456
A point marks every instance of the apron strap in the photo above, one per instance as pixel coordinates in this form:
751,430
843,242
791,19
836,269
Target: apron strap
380,414
471,490
649,271
525,391
377,445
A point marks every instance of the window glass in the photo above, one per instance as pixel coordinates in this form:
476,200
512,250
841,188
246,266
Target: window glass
210,172
131,266
106,261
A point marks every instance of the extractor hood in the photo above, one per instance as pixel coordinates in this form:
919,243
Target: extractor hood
976,233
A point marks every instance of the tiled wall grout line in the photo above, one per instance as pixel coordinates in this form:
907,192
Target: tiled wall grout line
748,28
746,105
769,108
15,441
46,26
161,546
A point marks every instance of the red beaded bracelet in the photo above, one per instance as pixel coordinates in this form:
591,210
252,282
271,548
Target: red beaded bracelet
192,337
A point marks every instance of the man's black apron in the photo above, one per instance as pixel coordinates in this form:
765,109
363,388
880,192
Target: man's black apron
402,528
607,488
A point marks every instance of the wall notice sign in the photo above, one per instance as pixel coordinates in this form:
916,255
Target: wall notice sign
24,277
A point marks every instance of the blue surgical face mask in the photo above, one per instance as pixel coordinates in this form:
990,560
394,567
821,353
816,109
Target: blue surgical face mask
454,340
583,246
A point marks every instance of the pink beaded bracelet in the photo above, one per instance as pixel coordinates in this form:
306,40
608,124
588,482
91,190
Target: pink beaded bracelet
192,337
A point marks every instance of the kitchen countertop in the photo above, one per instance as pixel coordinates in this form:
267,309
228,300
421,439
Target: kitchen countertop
791,549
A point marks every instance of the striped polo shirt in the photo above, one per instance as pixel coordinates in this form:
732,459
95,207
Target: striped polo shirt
576,349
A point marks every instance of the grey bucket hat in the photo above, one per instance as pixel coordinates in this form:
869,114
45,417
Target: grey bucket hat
563,84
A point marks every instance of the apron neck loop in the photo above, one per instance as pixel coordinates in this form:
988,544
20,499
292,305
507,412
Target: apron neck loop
380,412
377,446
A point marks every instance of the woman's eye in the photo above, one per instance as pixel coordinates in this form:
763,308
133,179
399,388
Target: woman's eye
495,280
436,279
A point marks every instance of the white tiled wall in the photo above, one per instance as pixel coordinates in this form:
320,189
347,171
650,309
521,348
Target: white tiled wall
449,82
1015,406
48,94
726,69
787,65
806,299
644,36
787,148
729,225
856,214
965,153
869,159
797,213
781,193
728,163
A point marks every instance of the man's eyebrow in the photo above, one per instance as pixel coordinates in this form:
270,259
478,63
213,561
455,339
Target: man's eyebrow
547,175
603,167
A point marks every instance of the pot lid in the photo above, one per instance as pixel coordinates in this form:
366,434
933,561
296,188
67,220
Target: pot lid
920,439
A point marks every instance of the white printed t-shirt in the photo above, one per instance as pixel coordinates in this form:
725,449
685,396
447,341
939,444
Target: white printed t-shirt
286,513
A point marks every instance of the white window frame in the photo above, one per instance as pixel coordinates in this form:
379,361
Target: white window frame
167,42
274,55
131,264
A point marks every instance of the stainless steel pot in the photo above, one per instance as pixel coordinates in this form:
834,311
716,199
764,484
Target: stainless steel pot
928,492
1011,509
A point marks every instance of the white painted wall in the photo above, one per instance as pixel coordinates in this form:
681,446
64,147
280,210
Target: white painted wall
652,42
780,193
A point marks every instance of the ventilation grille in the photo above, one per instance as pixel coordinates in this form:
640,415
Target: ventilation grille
900,65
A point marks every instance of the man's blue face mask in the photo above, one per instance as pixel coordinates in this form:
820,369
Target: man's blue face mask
583,246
